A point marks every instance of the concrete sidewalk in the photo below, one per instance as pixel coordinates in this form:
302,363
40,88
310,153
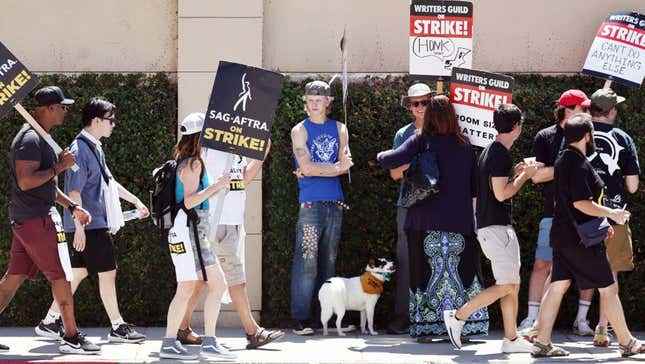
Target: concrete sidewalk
313,349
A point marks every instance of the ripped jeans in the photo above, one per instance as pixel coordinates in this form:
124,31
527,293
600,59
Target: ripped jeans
314,255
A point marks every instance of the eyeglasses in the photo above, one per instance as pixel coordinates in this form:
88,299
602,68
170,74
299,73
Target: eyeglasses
423,103
63,107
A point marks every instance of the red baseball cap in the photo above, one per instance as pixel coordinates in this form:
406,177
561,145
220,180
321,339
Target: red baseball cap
573,98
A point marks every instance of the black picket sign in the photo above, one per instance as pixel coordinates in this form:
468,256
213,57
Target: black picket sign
241,110
15,81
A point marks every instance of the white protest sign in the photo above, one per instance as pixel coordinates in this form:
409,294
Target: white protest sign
475,95
618,51
441,36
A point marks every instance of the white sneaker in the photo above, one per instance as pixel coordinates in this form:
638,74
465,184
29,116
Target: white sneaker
519,345
454,327
526,323
582,328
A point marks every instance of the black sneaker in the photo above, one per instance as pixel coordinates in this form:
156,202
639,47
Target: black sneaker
4,347
78,344
303,328
125,333
53,331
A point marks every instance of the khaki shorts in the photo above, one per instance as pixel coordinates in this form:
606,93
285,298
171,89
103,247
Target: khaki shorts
619,249
229,248
500,245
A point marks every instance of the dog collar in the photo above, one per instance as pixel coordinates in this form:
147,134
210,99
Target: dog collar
370,284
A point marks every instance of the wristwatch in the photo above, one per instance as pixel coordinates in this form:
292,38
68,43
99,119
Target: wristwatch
72,206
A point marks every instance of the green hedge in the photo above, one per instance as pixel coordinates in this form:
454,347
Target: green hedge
146,131
144,137
369,228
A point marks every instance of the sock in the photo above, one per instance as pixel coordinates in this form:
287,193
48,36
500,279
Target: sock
116,323
534,309
51,317
583,308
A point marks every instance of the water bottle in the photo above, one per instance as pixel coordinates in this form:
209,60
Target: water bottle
131,215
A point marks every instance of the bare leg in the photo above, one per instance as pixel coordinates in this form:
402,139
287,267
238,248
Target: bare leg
549,309
79,275
216,286
192,304
539,277
603,316
484,299
9,284
509,305
614,311
107,289
63,295
178,307
240,299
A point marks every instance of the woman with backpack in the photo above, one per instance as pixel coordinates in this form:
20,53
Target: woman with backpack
444,260
190,249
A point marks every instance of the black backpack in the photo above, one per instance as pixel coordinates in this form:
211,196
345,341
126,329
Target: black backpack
163,203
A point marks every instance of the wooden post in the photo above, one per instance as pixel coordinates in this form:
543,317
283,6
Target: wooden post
440,86
39,129
607,84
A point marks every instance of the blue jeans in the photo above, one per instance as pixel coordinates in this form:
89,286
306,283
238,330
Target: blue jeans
314,254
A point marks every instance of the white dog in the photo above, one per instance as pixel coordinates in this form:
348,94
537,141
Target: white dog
338,295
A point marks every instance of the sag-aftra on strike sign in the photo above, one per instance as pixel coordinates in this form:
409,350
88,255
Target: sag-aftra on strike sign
15,81
618,51
441,36
241,110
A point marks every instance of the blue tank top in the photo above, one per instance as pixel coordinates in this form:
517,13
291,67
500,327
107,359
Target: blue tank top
179,190
323,144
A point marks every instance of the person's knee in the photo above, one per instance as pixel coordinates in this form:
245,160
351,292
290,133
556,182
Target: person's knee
611,290
185,290
510,288
106,276
559,287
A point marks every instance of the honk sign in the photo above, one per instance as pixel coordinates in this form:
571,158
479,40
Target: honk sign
241,110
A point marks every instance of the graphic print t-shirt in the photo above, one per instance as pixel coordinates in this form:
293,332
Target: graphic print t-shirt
235,200
615,158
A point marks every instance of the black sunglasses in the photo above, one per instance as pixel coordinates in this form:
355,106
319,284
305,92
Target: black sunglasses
112,120
417,103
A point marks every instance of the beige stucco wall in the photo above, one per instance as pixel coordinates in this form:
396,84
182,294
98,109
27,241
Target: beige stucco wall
92,35
546,36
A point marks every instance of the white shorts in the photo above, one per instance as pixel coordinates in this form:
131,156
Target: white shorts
500,245
183,248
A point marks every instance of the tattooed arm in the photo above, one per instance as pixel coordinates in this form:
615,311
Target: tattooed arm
308,168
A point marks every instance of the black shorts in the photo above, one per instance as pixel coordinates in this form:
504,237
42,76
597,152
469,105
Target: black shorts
587,267
98,255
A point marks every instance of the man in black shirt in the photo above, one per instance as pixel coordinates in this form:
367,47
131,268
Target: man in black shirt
547,145
578,196
35,222
616,162
495,233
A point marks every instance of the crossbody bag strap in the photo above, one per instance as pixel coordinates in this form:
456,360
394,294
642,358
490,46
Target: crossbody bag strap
106,178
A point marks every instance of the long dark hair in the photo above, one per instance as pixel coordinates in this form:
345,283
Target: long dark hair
189,147
440,119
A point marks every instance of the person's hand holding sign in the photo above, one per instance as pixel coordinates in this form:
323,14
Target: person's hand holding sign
65,161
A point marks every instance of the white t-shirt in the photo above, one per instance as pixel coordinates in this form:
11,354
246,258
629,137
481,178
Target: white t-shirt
235,200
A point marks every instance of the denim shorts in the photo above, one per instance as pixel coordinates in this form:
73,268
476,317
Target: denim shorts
543,250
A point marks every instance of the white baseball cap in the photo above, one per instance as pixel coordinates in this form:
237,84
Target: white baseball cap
419,89
192,124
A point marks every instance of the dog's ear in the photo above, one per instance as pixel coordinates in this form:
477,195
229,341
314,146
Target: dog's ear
371,262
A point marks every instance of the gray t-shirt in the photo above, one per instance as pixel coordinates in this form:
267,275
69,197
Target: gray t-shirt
88,180
36,202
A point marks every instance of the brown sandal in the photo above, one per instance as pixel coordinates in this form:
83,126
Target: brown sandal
547,350
262,337
633,348
188,337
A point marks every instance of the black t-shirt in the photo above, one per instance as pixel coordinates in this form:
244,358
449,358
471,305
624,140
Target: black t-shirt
615,158
575,180
495,161
547,145
37,202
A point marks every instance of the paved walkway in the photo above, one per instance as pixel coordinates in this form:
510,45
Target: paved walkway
314,349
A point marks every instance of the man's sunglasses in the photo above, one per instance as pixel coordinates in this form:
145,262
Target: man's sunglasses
417,103
112,120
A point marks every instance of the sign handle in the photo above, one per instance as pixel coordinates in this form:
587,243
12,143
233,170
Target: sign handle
39,129
216,213
440,86
607,84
